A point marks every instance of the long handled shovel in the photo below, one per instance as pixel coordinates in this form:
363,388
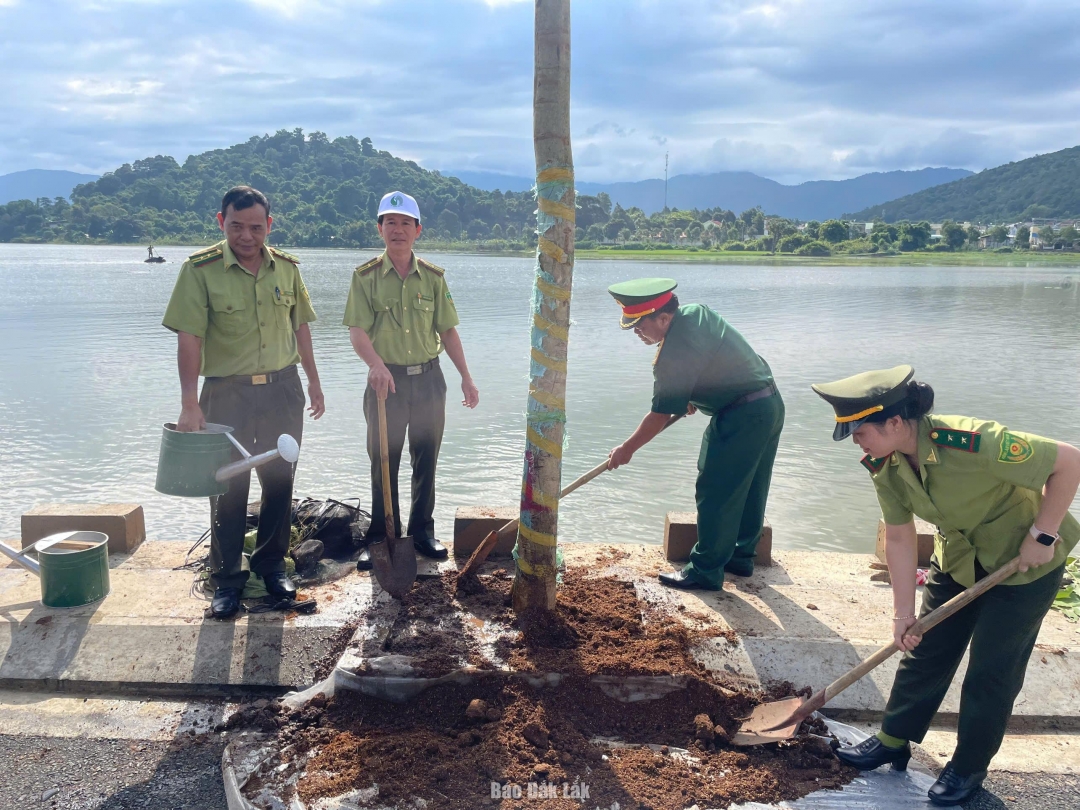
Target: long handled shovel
393,559
492,539
780,719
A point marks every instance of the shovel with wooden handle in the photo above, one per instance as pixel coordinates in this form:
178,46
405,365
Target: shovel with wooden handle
780,719
492,539
393,559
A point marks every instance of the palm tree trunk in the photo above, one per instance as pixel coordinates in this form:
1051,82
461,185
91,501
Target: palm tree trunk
534,583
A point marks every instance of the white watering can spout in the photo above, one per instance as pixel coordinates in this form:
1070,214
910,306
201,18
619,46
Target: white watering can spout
287,449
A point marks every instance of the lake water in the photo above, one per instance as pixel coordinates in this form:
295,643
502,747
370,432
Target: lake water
88,377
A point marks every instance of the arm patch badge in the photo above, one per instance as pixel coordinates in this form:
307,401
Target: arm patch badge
874,465
1014,449
967,440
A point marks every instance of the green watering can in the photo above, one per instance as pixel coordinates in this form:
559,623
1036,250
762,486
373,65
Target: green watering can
197,464
73,567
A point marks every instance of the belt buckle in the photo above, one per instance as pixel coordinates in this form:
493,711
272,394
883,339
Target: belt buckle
413,371
258,379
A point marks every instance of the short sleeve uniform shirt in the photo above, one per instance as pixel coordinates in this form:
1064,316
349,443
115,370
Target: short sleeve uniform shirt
705,362
403,317
247,323
981,485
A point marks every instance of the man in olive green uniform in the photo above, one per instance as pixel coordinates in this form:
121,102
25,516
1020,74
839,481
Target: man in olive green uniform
704,364
401,316
994,494
241,314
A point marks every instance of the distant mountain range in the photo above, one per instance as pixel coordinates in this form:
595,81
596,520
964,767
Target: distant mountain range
1045,186
737,191
34,183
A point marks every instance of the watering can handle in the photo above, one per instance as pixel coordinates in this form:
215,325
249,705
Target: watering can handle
237,445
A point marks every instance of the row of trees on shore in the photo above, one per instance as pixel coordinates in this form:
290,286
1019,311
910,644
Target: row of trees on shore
325,194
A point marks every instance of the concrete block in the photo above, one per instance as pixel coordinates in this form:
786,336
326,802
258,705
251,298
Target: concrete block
926,532
680,534
122,522
473,523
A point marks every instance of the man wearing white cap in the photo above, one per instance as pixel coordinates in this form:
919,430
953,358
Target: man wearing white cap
401,316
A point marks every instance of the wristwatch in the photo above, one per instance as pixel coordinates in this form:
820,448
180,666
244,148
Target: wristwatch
1042,537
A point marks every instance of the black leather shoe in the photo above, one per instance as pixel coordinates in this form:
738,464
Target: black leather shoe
363,562
226,603
683,580
873,753
952,787
279,586
430,547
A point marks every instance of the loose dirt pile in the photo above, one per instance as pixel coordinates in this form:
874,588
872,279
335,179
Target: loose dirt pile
558,747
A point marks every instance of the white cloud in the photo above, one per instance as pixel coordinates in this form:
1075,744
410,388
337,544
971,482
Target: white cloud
96,88
789,89
290,8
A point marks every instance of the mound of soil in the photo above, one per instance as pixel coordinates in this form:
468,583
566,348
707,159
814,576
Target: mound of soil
452,742
458,745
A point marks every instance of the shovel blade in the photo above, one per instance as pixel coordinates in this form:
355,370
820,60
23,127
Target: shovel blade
393,562
753,730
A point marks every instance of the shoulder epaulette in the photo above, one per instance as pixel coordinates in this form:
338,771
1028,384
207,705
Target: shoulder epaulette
282,254
369,265
967,440
434,268
210,254
874,465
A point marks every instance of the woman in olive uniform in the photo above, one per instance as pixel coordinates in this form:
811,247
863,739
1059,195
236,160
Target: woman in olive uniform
993,493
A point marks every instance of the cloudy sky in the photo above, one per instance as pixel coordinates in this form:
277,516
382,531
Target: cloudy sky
791,89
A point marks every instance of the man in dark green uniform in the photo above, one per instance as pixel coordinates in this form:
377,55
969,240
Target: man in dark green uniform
401,316
241,314
704,364
994,494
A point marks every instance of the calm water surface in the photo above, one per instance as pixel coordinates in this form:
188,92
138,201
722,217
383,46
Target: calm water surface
89,377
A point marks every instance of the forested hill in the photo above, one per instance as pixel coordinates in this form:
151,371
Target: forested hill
1042,186
322,193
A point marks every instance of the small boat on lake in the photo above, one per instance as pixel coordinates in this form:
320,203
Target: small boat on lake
151,258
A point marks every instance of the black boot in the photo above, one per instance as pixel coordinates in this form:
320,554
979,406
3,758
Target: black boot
952,787
873,753
430,547
226,603
279,586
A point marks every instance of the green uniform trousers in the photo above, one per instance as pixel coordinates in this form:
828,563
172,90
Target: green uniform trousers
734,472
1001,626
417,410
258,414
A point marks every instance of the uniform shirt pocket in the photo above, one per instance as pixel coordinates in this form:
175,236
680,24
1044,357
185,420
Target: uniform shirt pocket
387,313
283,306
229,313
425,310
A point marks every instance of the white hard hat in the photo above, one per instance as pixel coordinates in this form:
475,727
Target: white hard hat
398,202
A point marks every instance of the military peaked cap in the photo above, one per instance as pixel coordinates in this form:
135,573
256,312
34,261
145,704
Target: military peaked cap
641,297
872,396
